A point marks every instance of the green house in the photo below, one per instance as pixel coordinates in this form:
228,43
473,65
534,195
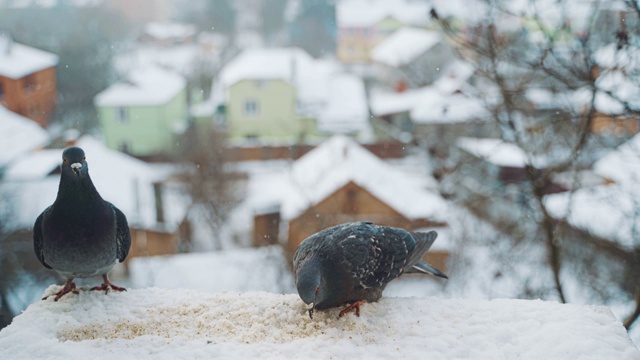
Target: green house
269,95
144,114
262,108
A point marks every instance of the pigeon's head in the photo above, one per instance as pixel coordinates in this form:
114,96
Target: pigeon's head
74,162
310,284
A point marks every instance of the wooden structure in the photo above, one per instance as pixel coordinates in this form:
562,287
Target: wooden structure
354,203
28,81
340,181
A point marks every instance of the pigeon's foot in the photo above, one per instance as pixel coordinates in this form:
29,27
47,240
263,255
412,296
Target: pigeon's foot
353,305
69,286
107,285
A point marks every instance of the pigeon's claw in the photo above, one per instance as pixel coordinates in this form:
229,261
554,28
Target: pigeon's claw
107,285
354,305
69,287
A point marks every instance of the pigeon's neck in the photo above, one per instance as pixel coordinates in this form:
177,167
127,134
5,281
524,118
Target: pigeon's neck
75,192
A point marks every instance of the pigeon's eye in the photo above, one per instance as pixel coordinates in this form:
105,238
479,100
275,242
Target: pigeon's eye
64,160
84,158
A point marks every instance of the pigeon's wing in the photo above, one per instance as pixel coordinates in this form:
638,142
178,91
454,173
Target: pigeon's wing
38,237
377,257
423,242
415,263
123,236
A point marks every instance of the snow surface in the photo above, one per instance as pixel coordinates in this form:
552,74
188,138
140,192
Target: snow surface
18,136
157,323
404,46
22,60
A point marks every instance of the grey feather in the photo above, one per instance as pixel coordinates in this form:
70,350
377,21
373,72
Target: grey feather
355,261
80,234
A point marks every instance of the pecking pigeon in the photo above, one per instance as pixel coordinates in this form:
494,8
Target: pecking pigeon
80,234
352,263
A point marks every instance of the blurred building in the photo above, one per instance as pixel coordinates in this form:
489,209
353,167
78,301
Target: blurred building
27,80
145,113
142,11
293,99
363,24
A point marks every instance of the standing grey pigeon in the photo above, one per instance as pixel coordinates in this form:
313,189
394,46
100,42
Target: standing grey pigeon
80,235
352,263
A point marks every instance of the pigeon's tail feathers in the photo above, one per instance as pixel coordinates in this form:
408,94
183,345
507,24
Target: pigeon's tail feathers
426,268
423,243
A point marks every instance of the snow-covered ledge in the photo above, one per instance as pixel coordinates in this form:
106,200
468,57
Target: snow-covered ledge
159,323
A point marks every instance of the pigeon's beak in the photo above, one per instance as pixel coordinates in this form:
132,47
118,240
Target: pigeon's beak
313,304
76,167
311,309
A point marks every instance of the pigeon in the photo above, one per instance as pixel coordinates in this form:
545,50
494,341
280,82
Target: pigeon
352,263
80,234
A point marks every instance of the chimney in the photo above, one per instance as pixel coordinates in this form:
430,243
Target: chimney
157,191
6,43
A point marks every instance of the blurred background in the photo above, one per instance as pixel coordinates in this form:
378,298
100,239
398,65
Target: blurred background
229,131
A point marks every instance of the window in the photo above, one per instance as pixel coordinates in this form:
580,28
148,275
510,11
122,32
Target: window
251,108
30,83
124,147
1,91
122,114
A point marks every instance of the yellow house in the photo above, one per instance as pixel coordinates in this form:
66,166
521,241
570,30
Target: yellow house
363,24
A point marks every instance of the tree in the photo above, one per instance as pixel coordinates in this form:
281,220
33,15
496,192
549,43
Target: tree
314,29
211,15
273,18
555,52
213,186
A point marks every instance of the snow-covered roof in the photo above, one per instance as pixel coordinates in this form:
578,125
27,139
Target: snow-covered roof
454,77
404,46
612,57
498,152
346,110
294,65
178,58
156,323
336,99
169,30
436,108
384,102
621,165
18,60
366,13
143,87
623,88
606,211
339,160
121,179
18,136
614,88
